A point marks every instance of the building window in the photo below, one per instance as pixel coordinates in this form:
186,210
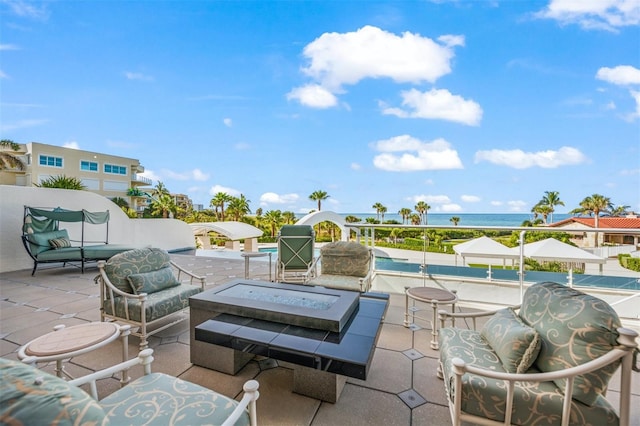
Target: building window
50,161
88,166
115,170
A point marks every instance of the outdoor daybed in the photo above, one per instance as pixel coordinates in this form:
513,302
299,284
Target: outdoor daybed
46,242
549,363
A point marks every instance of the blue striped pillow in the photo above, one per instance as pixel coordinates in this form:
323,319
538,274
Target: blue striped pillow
61,242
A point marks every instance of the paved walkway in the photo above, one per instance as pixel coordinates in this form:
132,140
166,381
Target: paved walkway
403,361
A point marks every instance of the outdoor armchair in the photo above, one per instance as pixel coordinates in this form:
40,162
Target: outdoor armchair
296,253
143,288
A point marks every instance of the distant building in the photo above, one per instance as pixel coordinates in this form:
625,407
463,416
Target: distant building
104,174
577,225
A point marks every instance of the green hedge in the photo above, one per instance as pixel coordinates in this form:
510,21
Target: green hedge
628,262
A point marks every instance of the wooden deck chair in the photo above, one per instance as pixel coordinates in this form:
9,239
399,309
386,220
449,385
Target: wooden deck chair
296,253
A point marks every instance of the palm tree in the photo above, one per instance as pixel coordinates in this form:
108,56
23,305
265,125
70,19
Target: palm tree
455,220
543,210
594,204
383,210
218,201
551,199
63,182
273,219
405,213
289,217
239,207
415,219
352,219
422,208
318,196
378,207
160,189
7,159
163,205
618,211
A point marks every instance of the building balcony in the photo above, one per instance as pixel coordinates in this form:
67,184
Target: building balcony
138,179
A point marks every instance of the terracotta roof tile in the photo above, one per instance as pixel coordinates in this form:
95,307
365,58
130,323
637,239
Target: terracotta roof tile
603,222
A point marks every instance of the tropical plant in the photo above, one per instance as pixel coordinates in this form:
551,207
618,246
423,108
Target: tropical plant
618,211
404,213
318,196
415,219
352,219
379,207
121,202
383,210
238,207
160,189
273,219
594,205
62,182
550,199
289,217
218,202
422,208
135,192
455,220
164,206
9,160
543,210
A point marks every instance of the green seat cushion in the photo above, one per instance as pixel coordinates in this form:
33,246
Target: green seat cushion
136,261
153,281
574,328
61,254
29,396
158,305
516,344
39,241
534,403
159,399
345,258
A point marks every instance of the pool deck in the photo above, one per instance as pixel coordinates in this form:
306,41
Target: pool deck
403,360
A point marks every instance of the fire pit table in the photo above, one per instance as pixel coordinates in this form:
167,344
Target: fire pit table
327,334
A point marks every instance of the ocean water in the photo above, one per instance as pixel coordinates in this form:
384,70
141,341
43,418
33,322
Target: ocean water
467,219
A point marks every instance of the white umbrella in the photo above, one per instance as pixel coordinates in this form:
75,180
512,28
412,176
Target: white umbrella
552,249
484,247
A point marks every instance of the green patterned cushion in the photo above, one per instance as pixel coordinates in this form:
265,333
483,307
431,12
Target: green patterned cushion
150,282
29,396
120,266
534,403
516,344
40,240
345,258
575,328
61,242
161,399
159,304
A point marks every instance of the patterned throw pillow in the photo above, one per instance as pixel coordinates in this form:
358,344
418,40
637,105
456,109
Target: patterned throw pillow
516,344
151,282
61,242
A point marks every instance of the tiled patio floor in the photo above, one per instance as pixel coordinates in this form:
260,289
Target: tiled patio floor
403,361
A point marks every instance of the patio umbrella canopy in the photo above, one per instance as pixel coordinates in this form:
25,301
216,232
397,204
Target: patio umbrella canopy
552,249
484,247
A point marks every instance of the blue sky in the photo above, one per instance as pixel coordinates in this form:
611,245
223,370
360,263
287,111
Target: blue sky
471,106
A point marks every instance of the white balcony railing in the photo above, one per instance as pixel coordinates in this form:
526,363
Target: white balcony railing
137,178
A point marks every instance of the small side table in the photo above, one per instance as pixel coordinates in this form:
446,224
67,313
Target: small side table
67,342
249,255
434,296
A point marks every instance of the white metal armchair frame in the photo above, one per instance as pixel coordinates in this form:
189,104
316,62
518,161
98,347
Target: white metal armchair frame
296,253
109,294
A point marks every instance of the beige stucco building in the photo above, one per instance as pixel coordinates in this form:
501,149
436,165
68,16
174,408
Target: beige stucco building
107,175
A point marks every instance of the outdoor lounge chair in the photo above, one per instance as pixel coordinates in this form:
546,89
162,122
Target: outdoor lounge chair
296,253
29,396
344,265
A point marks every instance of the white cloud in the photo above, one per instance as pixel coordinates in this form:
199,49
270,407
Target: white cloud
219,188
516,205
418,155
27,9
71,145
470,198
3,75
242,146
355,166
437,104
496,203
195,174
9,47
636,114
621,75
314,96
273,198
23,124
432,199
137,76
518,159
594,14
227,122
450,208
151,175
